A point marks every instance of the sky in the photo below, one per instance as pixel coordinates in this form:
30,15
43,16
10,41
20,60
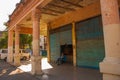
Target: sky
6,9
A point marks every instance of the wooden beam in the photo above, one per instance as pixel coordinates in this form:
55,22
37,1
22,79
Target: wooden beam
48,44
74,42
78,15
65,8
26,9
55,11
24,30
77,5
53,14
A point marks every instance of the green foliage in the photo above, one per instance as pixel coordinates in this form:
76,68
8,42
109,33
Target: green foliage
25,39
4,40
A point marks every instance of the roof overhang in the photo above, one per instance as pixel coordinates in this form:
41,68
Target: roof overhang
55,12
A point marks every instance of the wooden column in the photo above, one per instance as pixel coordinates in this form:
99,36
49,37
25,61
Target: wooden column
74,43
36,58
10,46
48,44
17,55
111,28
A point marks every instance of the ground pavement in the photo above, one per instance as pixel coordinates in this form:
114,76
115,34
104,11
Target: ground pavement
9,72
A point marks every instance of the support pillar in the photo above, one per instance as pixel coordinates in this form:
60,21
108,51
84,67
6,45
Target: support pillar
111,28
74,43
48,44
10,47
17,55
36,58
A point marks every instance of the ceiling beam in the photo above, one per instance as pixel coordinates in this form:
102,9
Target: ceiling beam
53,14
77,5
65,8
55,11
24,30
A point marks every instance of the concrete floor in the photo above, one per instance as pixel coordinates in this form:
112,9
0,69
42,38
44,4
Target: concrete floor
68,72
50,72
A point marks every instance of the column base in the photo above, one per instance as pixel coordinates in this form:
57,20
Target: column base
10,58
110,70
36,65
17,59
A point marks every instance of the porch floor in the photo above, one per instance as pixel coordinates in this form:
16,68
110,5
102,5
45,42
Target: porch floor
67,72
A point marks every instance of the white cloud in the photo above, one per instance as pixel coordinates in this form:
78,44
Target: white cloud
6,8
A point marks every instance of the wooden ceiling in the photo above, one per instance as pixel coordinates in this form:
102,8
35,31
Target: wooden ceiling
57,8
54,10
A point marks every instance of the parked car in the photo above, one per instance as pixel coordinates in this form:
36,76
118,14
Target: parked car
23,54
3,54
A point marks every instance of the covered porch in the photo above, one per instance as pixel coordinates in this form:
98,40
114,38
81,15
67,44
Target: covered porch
45,16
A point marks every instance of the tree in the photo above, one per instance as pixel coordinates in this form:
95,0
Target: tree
4,40
25,39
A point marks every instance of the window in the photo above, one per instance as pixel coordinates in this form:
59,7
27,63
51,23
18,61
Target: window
4,51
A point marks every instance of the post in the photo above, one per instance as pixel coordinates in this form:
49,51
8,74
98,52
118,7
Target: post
48,44
74,43
10,46
16,54
36,58
111,28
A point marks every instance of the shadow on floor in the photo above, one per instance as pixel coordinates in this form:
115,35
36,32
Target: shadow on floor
9,72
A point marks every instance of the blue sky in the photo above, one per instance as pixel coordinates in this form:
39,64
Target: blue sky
6,8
